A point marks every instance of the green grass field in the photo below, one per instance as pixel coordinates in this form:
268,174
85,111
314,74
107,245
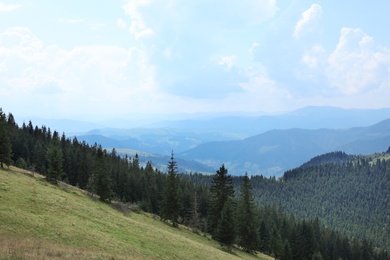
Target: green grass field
41,221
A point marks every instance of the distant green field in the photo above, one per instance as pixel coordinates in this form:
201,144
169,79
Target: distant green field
42,221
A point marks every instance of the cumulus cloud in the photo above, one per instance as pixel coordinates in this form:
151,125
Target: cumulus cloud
9,7
308,17
358,64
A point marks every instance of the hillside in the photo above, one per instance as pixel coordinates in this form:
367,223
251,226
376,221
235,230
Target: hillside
276,151
39,220
351,196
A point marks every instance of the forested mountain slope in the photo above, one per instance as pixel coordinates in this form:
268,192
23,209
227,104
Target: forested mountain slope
350,193
353,197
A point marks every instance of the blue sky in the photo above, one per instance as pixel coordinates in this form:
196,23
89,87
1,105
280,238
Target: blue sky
92,60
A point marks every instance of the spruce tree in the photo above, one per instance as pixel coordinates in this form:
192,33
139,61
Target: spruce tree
5,143
247,234
225,233
195,218
221,190
54,159
102,179
170,204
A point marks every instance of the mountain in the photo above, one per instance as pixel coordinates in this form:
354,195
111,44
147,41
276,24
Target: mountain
43,221
313,117
276,151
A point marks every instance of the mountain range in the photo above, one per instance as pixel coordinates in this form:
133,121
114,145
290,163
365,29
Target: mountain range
266,145
273,152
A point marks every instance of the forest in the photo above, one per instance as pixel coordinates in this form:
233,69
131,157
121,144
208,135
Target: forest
276,217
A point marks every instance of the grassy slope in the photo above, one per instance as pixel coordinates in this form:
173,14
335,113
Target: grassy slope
39,220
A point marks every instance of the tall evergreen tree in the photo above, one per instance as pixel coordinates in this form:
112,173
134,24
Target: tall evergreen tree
195,218
102,181
54,159
5,142
247,234
221,190
170,204
225,232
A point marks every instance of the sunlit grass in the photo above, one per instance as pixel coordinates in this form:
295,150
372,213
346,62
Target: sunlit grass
39,220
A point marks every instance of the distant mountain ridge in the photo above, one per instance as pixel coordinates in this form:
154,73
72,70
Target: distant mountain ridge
276,151
312,117
251,144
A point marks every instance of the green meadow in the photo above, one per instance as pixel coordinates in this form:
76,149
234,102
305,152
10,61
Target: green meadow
39,220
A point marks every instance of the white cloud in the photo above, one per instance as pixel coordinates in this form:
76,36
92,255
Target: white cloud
315,57
9,7
309,16
358,64
138,28
94,79
227,61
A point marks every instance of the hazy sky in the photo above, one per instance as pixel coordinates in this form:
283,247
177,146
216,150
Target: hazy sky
94,59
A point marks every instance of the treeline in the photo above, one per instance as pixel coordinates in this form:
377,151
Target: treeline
220,205
92,168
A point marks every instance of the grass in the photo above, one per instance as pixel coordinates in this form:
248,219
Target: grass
42,221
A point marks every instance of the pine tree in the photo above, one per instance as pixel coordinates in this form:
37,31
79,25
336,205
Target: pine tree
247,234
170,204
221,190
102,181
5,143
54,159
225,233
195,218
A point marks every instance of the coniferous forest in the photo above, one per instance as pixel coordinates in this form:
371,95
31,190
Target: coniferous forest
321,211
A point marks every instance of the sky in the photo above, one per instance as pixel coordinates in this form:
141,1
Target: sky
93,60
